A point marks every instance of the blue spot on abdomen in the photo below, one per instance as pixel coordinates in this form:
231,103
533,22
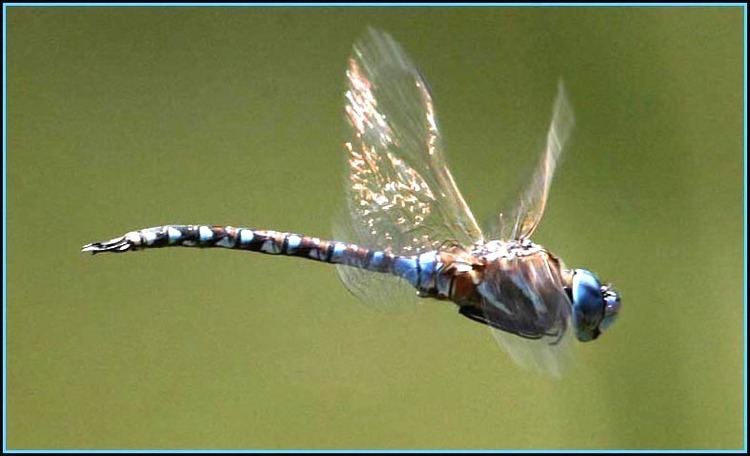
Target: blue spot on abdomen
246,236
292,243
205,234
406,267
427,270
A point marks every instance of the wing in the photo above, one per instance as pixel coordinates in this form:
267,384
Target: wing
548,356
521,223
524,303
400,194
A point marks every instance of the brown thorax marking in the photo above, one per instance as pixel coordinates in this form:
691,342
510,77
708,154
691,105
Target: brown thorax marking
465,271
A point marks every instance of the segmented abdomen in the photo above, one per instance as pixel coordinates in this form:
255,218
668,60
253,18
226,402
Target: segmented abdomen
418,270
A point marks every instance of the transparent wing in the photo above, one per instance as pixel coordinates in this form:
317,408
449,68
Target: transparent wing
523,220
548,356
383,292
400,194
530,312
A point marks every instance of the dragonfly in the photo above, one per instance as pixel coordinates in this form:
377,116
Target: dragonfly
406,223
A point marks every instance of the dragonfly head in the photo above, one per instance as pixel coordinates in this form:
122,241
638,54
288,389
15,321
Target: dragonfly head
595,306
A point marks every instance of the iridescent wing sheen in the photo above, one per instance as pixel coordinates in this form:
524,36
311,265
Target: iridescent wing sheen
400,194
523,220
527,302
384,292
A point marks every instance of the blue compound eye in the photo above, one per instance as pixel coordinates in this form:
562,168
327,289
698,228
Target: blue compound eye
588,304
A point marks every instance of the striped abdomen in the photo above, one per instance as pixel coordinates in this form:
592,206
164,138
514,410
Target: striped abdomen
421,271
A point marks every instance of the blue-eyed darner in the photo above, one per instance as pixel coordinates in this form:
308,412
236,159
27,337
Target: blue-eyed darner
407,220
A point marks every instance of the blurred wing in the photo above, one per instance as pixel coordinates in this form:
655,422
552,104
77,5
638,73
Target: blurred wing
531,313
400,195
522,222
384,292
548,356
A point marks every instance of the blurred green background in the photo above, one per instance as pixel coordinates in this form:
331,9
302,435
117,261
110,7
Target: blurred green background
124,118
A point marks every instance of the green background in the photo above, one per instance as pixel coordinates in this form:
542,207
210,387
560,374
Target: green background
124,118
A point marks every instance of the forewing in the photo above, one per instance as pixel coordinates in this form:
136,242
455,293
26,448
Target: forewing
521,222
400,194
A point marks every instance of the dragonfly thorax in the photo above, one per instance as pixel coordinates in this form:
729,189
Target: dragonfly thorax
518,289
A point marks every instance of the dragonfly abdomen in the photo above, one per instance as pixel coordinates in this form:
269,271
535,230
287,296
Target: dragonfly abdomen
418,270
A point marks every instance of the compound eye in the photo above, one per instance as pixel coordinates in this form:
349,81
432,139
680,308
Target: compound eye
588,304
